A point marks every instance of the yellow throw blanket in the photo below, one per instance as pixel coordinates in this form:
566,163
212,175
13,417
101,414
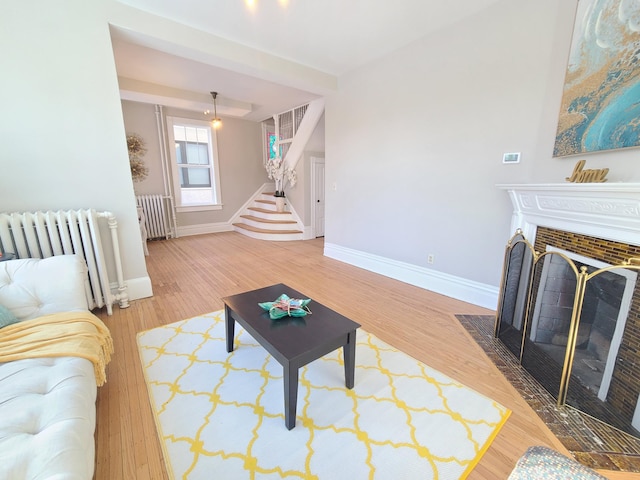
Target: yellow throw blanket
65,334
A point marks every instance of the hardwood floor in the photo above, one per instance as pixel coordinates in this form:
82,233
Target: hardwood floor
190,275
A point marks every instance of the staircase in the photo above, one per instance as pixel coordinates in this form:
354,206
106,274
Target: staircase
264,222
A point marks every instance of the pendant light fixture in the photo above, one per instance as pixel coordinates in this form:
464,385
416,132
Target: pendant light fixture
215,121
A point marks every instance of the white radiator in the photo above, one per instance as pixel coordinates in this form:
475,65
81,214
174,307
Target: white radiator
44,234
155,215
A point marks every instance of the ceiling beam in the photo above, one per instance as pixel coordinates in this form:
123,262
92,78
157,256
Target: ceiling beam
145,92
145,29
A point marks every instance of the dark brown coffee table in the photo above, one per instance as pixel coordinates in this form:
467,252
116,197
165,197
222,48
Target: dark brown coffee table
292,341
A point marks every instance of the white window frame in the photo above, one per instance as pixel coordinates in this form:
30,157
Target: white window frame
214,170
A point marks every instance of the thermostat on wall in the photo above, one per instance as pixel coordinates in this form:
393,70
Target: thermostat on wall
511,158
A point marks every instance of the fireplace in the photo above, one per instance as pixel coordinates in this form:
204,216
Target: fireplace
570,303
607,300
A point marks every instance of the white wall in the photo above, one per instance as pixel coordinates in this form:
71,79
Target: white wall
141,119
61,126
415,140
299,196
316,142
240,162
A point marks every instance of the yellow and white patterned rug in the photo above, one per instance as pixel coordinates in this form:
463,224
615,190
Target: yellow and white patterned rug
220,415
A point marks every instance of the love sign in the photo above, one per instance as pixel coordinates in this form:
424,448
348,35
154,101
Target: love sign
582,175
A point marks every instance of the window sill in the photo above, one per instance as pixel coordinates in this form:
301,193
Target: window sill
198,208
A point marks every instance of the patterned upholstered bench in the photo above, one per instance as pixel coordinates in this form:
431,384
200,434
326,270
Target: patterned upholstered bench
545,463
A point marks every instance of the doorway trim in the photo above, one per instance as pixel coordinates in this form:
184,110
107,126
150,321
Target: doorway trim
314,160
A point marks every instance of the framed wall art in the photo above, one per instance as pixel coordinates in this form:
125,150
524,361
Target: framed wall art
600,107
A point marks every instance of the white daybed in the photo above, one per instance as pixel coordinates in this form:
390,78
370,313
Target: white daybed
47,403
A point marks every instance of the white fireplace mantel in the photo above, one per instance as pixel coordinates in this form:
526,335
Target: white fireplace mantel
610,211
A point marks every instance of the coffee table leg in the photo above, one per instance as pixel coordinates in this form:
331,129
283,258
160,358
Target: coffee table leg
229,327
349,350
290,375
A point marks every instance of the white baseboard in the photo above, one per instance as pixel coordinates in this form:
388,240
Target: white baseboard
308,233
455,287
203,228
139,288
136,288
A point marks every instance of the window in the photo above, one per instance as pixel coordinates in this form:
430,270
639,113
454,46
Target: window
271,141
270,148
288,125
194,159
269,145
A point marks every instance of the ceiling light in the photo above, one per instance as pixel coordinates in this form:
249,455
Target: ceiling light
253,4
215,121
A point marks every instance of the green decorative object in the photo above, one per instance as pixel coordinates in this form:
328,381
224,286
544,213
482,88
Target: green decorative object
284,306
6,317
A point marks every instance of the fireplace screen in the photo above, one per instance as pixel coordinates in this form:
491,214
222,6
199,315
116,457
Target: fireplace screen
515,289
564,317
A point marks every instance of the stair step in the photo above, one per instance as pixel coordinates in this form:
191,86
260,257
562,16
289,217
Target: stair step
264,210
263,230
268,202
264,220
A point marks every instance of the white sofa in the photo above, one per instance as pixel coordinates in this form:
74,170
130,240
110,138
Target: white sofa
47,405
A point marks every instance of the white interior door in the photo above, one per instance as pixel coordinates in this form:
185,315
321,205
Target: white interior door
317,192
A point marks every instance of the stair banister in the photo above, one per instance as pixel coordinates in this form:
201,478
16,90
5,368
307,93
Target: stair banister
303,134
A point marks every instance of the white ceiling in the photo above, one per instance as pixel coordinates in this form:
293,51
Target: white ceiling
327,36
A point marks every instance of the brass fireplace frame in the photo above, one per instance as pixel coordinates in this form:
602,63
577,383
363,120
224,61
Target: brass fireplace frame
526,276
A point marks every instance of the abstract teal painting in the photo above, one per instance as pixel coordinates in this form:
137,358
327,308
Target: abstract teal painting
601,99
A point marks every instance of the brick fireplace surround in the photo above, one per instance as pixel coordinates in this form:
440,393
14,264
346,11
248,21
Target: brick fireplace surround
599,221
624,391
